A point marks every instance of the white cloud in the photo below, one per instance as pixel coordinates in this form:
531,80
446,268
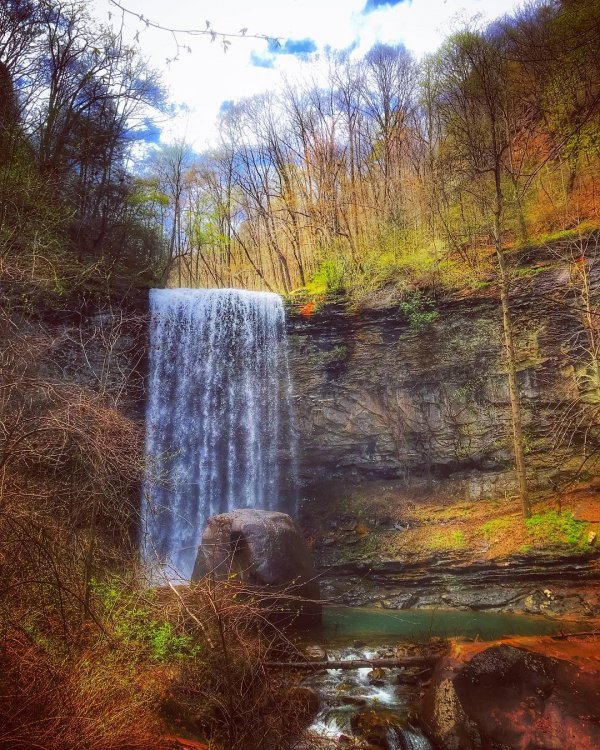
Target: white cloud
205,78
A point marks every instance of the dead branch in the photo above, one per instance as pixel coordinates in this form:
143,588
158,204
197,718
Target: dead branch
403,661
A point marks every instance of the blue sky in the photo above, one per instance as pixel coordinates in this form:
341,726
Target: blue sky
373,5
200,82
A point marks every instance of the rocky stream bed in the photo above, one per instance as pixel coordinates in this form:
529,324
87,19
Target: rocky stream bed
372,706
545,677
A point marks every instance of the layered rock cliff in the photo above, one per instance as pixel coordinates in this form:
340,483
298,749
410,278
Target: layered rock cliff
404,438
405,447
382,397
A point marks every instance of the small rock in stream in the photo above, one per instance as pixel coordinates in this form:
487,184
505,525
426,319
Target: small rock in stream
374,724
353,700
315,653
377,676
306,701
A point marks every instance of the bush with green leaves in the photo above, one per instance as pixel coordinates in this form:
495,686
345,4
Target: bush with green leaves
133,621
419,310
329,278
556,528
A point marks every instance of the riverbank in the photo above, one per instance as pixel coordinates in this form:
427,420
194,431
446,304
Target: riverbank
381,544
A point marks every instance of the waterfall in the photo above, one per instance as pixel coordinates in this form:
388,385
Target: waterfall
219,432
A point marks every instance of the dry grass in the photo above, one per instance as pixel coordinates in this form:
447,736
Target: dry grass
94,697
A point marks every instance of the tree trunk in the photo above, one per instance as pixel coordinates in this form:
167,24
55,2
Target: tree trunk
89,561
513,386
590,324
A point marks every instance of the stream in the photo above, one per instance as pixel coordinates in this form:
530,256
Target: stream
420,625
364,702
380,707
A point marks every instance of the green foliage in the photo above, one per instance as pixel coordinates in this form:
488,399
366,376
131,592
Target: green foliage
401,259
419,310
479,284
458,539
583,229
543,529
134,623
329,278
33,232
335,356
556,528
528,271
147,192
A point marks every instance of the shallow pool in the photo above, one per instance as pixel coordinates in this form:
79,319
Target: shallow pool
369,623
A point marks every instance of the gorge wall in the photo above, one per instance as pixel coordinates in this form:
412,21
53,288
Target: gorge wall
380,398
404,433
397,413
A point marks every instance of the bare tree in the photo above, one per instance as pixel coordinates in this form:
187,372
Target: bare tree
473,105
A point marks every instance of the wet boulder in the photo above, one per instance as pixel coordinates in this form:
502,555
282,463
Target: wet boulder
385,729
314,652
263,550
377,676
513,698
377,725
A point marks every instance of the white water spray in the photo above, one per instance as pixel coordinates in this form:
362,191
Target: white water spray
219,431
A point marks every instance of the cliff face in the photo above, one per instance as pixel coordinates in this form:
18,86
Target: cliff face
377,397
405,450
380,396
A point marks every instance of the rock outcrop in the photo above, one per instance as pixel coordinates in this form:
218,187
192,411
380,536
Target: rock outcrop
380,396
263,550
514,698
394,413
554,584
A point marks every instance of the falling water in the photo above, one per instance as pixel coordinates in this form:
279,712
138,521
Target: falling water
345,694
219,432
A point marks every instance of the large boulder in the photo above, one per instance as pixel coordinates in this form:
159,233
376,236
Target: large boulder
514,698
262,550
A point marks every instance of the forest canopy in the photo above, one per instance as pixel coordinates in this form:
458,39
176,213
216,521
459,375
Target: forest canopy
381,169
373,170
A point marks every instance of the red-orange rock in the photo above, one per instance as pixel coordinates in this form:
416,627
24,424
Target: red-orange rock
516,698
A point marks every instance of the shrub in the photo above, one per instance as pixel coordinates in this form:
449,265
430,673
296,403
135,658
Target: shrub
96,696
419,310
496,527
329,278
447,540
555,528
133,618
224,692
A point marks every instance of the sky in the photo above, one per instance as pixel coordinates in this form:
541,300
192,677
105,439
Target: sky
203,81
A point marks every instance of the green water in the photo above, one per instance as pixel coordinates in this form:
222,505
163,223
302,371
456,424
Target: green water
348,623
